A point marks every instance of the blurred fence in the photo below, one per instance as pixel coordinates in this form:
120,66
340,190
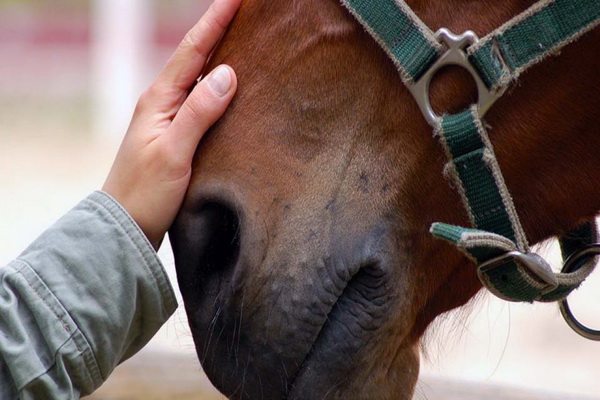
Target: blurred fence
50,158
87,59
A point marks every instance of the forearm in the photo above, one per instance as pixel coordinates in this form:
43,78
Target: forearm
86,295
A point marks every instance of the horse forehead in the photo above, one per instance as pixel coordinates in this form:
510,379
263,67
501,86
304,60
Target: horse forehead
290,150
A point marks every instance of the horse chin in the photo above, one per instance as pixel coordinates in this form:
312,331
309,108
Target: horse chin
336,369
367,381
353,353
345,362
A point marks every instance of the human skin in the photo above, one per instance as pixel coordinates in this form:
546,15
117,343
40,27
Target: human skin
152,169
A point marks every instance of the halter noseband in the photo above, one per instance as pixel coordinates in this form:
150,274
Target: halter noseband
497,243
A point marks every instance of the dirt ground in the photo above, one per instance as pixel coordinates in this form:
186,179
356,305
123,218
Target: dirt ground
158,376
164,376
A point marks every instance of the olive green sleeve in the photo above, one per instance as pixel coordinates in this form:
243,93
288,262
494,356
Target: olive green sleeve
86,295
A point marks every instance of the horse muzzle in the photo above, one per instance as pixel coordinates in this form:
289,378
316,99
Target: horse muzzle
282,310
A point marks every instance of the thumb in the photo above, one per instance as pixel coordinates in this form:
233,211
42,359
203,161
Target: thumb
204,106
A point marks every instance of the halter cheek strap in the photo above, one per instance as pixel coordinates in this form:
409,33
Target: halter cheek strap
497,243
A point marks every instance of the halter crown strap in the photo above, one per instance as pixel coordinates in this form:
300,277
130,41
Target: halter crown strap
500,57
527,39
498,243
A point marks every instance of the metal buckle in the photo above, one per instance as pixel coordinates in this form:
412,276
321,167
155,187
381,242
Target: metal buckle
572,262
535,264
454,55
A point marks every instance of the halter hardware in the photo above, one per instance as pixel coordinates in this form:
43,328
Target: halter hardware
455,55
497,243
572,263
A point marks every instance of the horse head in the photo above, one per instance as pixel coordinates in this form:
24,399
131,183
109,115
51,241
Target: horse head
302,249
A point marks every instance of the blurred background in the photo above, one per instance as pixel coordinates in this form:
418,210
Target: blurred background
70,74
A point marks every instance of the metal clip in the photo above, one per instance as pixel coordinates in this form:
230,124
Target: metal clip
573,263
454,55
535,264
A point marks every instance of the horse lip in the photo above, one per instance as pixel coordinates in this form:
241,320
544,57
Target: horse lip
334,324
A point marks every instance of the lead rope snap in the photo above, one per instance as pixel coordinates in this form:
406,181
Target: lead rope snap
573,263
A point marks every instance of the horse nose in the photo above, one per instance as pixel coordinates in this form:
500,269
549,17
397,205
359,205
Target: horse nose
206,243
215,242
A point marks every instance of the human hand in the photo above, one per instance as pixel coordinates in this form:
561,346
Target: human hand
152,170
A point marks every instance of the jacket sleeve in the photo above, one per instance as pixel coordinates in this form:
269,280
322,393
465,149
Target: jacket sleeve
86,295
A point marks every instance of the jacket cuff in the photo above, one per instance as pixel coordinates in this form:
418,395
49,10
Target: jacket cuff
100,289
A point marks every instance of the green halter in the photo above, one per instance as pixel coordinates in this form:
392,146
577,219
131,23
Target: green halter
497,243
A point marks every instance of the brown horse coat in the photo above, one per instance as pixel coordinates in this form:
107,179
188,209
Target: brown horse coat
303,251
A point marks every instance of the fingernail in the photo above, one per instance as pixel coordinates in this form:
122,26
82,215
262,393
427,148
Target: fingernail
219,80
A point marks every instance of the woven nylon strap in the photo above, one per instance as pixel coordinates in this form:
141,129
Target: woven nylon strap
474,169
542,30
500,57
410,44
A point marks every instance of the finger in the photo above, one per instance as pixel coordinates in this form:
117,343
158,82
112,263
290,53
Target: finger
186,64
204,106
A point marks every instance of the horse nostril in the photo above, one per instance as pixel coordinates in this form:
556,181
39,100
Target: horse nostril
222,245
206,244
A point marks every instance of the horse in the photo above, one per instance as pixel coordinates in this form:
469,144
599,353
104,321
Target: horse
303,251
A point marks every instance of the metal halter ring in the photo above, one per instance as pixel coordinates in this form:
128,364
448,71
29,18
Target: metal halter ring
572,263
455,55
